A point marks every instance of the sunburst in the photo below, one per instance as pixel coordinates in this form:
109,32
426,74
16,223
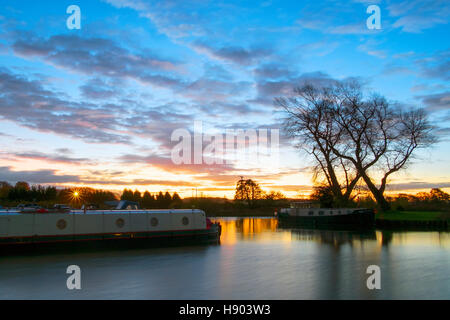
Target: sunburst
75,196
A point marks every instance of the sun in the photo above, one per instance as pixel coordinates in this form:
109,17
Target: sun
75,196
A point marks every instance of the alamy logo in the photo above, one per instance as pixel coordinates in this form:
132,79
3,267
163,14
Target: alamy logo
374,280
74,280
374,21
74,20
253,146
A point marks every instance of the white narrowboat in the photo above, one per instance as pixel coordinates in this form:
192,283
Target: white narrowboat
113,227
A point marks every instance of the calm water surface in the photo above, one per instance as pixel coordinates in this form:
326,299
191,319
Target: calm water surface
255,260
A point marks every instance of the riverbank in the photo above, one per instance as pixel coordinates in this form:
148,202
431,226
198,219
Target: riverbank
390,219
413,215
413,219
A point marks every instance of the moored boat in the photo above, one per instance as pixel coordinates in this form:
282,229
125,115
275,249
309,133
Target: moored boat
112,227
307,214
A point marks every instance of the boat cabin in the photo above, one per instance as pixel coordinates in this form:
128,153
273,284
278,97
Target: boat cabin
305,204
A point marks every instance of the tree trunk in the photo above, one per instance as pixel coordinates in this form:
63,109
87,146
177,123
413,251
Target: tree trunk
379,197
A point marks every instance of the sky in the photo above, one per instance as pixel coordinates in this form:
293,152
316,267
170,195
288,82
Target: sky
98,106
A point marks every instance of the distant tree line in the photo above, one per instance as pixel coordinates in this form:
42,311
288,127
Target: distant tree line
153,201
23,192
435,200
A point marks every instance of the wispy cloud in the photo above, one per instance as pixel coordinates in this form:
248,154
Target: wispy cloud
36,176
238,55
418,15
437,102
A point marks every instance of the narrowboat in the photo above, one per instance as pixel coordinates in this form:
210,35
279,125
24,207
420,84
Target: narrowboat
310,214
41,228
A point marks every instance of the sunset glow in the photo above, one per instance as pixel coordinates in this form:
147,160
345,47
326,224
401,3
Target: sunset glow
96,107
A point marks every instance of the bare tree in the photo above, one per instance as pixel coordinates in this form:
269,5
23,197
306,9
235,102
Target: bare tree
309,117
367,136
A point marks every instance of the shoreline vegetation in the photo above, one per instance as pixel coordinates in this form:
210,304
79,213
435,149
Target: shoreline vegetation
398,216
422,209
413,219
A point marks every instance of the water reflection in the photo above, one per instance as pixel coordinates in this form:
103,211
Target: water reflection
331,264
257,259
266,229
245,228
333,237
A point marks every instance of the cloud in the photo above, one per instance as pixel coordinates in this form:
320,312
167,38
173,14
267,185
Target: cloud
270,89
390,69
445,132
417,185
166,164
234,54
99,89
27,103
38,176
417,15
216,71
436,66
212,90
354,28
98,56
175,19
304,188
141,182
273,71
436,102
57,158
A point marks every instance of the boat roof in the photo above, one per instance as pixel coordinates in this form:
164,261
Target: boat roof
17,212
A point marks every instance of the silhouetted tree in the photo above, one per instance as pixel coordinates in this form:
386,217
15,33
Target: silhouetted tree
22,185
274,198
137,196
248,191
167,200
324,195
345,130
97,197
437,194
148,201
5,188
176,201
127,195
160,200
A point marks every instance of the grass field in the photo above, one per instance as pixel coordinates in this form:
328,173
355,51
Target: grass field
414,215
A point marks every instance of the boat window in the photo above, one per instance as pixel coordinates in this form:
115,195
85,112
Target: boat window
311,213
331,211
321,213
154,222
61,224
185,221
120,223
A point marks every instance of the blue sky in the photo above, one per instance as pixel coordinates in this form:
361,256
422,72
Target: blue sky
97,106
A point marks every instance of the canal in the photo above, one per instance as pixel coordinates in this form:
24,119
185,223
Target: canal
256,259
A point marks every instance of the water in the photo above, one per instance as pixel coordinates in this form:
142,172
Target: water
255,260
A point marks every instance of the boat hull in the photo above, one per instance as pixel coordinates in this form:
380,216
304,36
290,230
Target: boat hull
117,228
356,219
110,241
